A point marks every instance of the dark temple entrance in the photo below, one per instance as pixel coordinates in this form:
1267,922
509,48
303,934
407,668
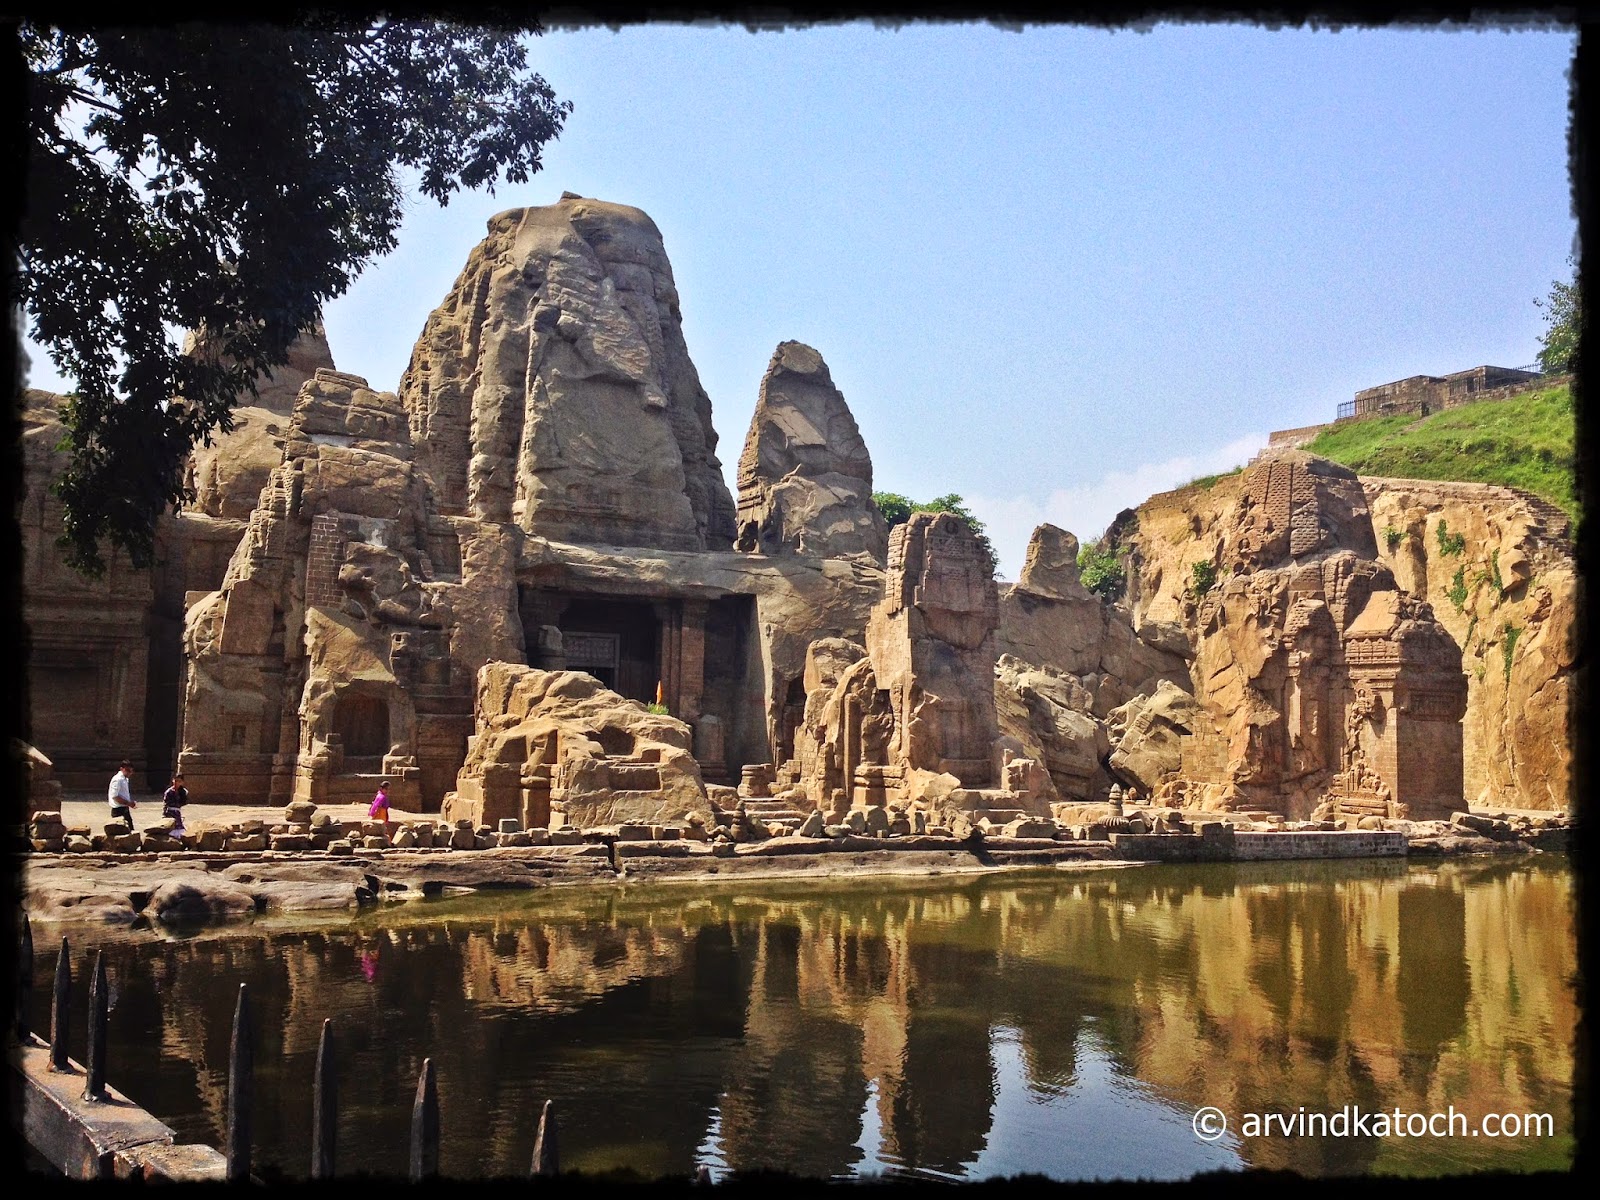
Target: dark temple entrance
616,641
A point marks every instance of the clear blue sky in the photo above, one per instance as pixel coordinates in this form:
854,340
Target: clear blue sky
1056,270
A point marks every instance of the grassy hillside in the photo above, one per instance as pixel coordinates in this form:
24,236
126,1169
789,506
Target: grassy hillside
1524,442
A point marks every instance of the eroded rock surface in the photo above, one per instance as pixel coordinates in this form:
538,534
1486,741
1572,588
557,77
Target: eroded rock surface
1497,567
1320,683
228,475
805,477
553,389
557,748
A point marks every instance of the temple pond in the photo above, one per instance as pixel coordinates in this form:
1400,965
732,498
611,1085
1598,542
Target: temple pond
1069,1024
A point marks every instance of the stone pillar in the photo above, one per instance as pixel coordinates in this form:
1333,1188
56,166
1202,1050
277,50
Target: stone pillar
691,660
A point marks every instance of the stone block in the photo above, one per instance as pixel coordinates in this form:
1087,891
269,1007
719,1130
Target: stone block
374,829
252,826
405,838
812,826
566,837
210,839
300,811
78,844
517,837
323,820
463,839
486,840
374,841
291,841
248,841
424,834
49,845
1029,827
124,842
341,846
510,825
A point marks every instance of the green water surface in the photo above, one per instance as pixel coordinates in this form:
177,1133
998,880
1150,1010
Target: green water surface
1069,1024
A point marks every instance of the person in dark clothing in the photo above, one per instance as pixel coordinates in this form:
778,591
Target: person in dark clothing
172,802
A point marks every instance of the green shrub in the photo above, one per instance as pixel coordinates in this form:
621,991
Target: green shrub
1509,646
1101,570
1205,576
1391,537
659,709
897,509
1472,627
1451,545
1458,589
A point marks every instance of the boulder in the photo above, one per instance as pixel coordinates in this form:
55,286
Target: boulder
616,762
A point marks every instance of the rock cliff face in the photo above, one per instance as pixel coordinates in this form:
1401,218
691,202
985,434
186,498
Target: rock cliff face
1497,567
805,477
1069,663
1320,684
553,389
228,475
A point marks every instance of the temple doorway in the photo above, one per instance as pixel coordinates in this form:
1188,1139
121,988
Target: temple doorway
362,725
616,641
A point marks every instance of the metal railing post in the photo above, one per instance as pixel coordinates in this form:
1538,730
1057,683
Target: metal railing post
546,1158
60,1007
425,1126
99,1016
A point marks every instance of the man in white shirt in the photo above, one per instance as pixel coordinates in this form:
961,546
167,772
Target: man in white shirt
120,797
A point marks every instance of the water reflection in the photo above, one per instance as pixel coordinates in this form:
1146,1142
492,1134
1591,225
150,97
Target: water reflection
1064,1024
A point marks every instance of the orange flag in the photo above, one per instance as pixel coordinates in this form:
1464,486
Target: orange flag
660,696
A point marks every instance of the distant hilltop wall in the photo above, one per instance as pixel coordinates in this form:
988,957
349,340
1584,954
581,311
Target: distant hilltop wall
1423,394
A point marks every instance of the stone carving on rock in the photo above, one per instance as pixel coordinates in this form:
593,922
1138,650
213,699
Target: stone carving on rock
1306,650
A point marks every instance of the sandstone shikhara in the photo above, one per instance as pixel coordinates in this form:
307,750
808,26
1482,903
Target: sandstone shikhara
805,477
487,585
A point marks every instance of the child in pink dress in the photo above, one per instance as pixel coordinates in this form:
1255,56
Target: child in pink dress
379,810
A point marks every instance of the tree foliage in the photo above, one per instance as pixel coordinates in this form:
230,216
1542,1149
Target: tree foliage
231,178
1101,569
897,509
1563,314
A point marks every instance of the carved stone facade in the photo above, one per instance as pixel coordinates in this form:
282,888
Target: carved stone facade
1321,685
910,718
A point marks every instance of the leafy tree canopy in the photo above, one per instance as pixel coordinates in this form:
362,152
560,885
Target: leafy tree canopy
1563,314
1102,571
897,509
230,178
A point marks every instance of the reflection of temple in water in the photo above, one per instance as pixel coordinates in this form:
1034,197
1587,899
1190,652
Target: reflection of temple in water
773,1022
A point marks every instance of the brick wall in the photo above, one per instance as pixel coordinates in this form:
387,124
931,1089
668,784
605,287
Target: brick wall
322,561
